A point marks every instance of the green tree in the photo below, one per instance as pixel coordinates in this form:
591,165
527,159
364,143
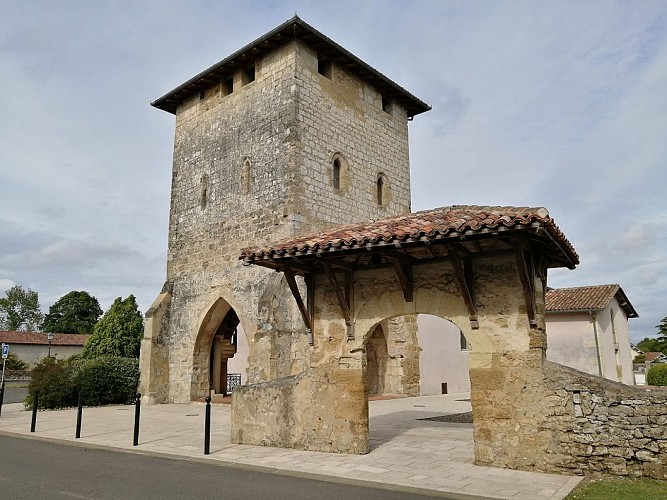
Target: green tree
118,333
19,310
651,345
75,312
662,330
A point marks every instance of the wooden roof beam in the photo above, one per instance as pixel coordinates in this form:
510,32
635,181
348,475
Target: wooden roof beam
525,267
403,269
465,279
291,282
344,295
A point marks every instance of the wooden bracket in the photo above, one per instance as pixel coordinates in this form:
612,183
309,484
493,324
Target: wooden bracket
344,295
464,275
310,303
403,267
291,281
526,269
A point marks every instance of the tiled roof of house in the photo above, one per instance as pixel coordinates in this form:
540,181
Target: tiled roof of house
587,298
39,338
455,222
652,356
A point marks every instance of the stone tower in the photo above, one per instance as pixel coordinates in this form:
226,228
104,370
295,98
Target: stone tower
289,135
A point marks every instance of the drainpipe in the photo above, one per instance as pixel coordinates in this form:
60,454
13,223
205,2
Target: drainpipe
594,319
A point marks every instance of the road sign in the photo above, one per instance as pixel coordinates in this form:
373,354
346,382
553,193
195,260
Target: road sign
5,351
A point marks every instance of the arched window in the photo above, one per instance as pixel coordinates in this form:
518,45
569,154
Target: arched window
203,191
336,173
380,190
246,176
465,346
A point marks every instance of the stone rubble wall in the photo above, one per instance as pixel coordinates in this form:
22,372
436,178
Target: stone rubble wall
603,427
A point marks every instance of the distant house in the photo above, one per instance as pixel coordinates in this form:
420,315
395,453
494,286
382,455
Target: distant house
587,329
655,357
31,347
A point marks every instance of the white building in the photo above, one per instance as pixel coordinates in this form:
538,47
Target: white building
587,329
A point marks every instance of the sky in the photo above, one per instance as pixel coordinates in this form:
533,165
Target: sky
555,104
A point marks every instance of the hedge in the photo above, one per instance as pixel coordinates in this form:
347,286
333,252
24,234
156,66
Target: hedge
101,381
657,375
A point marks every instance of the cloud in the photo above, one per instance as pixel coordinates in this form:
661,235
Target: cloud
533,104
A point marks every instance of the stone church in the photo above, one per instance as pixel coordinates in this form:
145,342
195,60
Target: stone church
295,262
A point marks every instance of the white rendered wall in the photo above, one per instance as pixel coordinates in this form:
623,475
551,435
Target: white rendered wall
441,359
571,342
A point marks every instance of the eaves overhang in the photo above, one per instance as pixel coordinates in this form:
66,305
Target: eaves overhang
295,28
474,231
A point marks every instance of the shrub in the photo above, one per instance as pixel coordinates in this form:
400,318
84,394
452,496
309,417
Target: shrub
100,381
52,378
107,380
15,363
657,375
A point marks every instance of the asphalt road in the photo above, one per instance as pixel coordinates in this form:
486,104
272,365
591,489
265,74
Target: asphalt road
32,468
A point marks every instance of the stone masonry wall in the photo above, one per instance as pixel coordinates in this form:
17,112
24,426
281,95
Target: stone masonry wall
603,427
252,167
506,362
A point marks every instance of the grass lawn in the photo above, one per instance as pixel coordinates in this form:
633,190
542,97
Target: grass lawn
619,488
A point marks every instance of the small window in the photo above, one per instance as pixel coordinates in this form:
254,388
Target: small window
380,190
464,342
228,85
249,75
336,173
202,94
203,191
387,104
246,176
324,68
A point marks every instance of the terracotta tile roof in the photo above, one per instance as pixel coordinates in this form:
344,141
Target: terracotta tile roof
653,356
39,338
442,223
587,298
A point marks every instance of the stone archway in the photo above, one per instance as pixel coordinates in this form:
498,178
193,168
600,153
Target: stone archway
483,268
219,335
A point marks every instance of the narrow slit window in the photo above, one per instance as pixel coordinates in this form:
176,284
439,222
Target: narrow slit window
203,192
336,173
246,177
380,190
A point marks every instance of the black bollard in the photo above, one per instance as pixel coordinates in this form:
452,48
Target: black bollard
35,404
207,427
2,395
79,412
137,412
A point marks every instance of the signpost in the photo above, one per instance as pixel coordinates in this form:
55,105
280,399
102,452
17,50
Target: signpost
5,354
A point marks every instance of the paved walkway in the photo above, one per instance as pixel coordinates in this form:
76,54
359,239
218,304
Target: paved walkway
428,457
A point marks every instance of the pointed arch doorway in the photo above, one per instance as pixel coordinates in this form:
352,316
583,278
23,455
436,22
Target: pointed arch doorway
220,359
